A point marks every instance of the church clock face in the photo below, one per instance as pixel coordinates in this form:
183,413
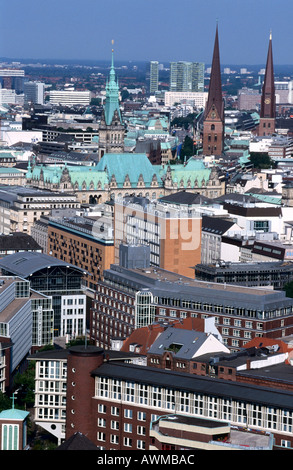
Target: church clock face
213,115
267,101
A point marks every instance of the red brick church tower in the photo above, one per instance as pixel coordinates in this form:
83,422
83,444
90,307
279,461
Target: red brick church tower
268,100
214,121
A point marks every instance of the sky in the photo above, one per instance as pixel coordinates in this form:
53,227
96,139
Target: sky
163,30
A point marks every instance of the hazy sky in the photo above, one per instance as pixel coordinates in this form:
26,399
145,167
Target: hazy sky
161,30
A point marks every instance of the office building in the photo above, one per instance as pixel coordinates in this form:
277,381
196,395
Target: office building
57,279
70,97
154,77
132,298
186,76
21,206
172,233
34,92
84,242
276,274
196,99
117,404
12,79
26,322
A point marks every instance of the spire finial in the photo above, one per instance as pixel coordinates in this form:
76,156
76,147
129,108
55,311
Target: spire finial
270,35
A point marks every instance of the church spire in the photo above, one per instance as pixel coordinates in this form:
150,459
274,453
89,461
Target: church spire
268,100
213,127
215,87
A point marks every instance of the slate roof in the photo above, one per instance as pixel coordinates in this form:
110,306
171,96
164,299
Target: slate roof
216,225
188,342
186,198
18,241
77,441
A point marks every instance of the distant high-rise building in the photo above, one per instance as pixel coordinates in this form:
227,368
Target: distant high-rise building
154,76
187,76
12,79
268,98
214,120
34,92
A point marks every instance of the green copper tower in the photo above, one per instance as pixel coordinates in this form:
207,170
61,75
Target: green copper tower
111,129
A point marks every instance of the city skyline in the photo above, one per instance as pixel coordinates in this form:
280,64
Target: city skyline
166,32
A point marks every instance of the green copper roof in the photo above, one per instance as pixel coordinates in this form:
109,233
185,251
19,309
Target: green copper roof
129,164
112,96
194,170
13,413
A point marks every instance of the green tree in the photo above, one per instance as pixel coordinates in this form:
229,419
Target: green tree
261,160
5,402
25,383
187,149
288,288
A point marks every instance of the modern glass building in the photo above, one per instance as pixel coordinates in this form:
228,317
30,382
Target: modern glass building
55,278
154,76
187,76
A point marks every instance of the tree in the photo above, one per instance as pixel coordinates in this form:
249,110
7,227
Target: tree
5,402
288,288
25,383
261,160
187,148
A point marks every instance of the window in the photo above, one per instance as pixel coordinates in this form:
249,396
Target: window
127,427
127,442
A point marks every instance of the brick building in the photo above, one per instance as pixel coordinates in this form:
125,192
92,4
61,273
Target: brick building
84,242
115,403
129,298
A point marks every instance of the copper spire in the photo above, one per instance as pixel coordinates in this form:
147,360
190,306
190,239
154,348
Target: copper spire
215,87
268,101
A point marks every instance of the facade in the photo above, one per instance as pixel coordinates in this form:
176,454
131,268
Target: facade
276,274
21,206
154,77
26,320
127,174
116,404
186,76
197,99
248,99
214,120
83,242
173,234
70,97
57,279
268,98
214,229
132,298
12,79
34,92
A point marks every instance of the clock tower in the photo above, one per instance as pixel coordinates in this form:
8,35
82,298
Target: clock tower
268,100
214,121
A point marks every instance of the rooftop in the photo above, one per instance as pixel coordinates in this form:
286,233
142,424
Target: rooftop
25,263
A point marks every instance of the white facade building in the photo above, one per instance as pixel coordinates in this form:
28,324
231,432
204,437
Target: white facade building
70,97
198,99
73,316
